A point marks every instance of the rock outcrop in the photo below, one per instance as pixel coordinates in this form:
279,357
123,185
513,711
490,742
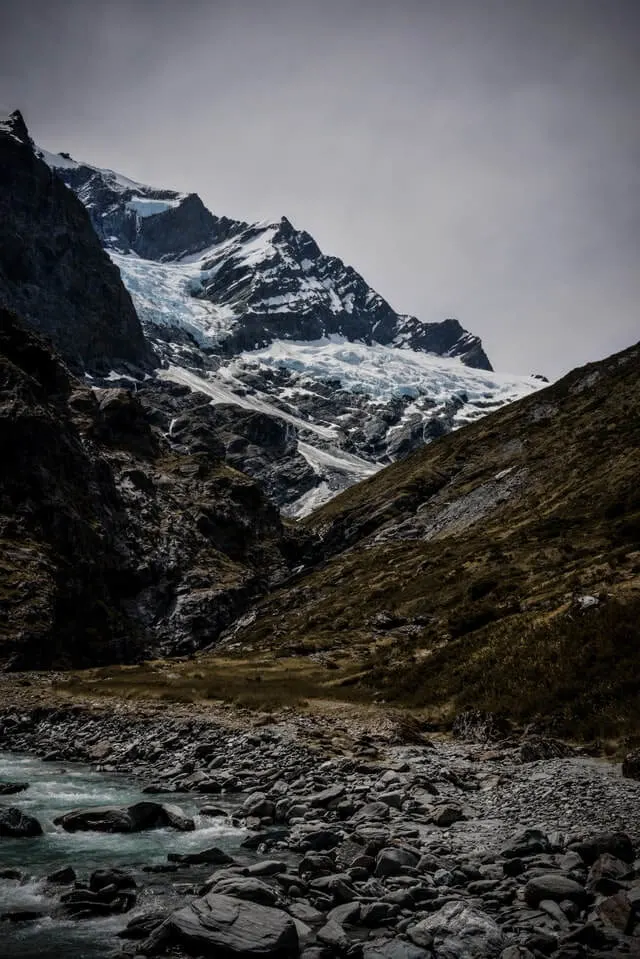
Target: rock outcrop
113,542
53,270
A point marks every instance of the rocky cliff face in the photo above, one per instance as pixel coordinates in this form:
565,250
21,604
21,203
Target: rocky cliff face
133,217
53,270
266,280
114,543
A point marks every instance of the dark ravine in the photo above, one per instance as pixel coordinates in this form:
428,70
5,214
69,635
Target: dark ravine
365,847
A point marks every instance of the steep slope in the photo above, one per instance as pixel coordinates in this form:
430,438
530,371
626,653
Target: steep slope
53,270
115,543
256,316
498,567
265,280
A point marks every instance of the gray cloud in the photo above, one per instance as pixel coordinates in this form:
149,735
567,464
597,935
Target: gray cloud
477,158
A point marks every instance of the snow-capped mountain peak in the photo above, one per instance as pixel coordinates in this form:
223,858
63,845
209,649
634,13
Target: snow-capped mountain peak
256,316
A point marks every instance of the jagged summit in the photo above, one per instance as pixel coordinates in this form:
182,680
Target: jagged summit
12,124
284,340
269,280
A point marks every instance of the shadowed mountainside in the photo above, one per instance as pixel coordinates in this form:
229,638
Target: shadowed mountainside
53,270
113,544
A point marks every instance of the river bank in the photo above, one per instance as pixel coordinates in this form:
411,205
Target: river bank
365,844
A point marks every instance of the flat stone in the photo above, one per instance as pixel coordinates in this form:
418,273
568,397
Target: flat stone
226,928
253,890
212,856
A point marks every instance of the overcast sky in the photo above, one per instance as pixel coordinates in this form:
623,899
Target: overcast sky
471,158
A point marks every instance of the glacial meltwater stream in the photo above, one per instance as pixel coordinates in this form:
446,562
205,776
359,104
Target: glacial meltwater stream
55,788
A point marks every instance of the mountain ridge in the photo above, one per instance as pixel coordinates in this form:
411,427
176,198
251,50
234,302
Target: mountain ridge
233,318
53,270
166,225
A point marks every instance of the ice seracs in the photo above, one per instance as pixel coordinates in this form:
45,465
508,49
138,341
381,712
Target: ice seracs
256,315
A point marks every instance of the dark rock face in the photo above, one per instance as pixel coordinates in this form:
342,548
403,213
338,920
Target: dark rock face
15,824
182,225
112,541
53,270
263,447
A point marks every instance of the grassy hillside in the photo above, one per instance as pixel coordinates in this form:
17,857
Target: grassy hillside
458,577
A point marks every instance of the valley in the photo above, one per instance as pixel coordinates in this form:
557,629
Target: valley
318,636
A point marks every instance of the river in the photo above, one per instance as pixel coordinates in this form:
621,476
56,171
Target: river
55,788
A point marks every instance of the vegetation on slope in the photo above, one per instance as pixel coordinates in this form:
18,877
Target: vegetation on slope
455,577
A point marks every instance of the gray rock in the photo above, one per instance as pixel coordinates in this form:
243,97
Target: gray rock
15,824
531,842
619,911
555,887
373,811
332,934
212,856
135,818
462,932
393,860
447,814
10,789
616,843
393,949
253,890
229,928
63,876
631,765
328,797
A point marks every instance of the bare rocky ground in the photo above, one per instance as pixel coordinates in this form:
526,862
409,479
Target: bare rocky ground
375,840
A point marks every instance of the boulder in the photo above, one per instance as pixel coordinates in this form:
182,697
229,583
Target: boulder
227,928
617,844
135,818
543,747
447,814
212,857
253,890
462,932
393,949
10,789
631,765
373,811
530,842
618,911
555,887
118,878
15,824
328,797
393,860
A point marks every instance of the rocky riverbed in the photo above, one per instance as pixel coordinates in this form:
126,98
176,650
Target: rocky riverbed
367,841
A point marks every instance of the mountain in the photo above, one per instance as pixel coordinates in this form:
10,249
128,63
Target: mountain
115,544
497,568
255,316
53,270
265,280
